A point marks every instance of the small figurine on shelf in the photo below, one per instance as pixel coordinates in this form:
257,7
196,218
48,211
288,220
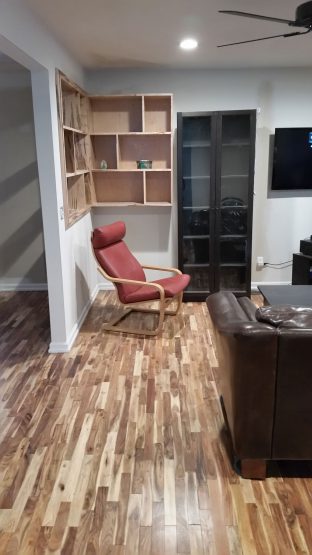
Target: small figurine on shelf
103,165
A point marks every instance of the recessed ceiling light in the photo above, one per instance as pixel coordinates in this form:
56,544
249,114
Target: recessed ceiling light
188,44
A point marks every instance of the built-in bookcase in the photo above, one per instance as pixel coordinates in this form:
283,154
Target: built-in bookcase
120,130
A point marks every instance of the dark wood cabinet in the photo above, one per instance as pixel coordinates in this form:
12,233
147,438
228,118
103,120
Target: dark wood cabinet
216,152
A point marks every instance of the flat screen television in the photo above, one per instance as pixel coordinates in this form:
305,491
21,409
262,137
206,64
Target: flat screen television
292,159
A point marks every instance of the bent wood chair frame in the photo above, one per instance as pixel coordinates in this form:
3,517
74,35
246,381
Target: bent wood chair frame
163,301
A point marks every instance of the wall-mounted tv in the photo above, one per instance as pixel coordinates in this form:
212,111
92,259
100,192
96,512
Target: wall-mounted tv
292,159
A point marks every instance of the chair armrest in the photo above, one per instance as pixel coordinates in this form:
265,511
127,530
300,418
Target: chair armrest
134,282
162,269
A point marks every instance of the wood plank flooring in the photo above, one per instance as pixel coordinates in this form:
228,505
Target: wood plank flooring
119,447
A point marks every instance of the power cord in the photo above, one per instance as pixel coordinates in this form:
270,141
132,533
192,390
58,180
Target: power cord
279,265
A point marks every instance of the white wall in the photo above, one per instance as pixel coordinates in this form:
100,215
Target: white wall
284,99
26,39
22,259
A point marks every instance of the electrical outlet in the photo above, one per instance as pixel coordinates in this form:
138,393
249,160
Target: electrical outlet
260,262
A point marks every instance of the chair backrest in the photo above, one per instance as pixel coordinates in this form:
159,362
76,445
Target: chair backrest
115,258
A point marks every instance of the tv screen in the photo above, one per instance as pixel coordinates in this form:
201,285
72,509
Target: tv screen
292,160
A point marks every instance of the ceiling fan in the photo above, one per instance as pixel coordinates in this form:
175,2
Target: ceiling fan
303,19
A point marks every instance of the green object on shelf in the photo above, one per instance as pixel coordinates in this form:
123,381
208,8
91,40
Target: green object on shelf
103,165
144,164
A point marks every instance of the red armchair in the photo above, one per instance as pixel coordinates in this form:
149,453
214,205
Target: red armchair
118,265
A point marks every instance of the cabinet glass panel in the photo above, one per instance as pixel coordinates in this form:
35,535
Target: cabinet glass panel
195,250
233,278
233,219
196,192
233,251
196,131
196,146
195,221
199,279
235,158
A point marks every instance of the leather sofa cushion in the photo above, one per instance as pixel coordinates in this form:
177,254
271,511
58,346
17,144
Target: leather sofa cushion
285,316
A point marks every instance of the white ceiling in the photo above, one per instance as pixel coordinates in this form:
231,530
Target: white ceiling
146,33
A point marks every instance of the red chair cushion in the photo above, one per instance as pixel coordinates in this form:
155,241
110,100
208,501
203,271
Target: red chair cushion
117,261
172,286
108,234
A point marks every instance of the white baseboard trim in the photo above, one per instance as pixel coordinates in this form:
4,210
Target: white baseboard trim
21,286
66,346
255,284
108,286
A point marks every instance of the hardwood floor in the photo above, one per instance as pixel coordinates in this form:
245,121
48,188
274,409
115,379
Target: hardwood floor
119,447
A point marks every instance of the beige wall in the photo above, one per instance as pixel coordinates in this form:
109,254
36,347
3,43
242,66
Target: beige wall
22,259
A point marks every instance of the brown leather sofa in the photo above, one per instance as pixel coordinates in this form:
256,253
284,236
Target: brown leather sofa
265,359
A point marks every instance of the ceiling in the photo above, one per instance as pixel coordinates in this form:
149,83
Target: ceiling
146,33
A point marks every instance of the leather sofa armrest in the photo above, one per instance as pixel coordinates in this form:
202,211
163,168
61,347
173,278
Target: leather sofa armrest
247,356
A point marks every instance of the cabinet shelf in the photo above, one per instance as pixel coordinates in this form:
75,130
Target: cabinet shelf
235,144
196,177
234,176
118,130
196,236
197,293
233,264
196,207
197,144
234,207
196,265
236,236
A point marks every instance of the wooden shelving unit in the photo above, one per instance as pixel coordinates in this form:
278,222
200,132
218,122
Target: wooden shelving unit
121,130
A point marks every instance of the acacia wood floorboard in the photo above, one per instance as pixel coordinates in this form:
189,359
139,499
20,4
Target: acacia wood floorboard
119,447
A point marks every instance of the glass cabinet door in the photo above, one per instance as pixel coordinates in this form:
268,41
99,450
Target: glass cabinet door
216,152
234,201
196,200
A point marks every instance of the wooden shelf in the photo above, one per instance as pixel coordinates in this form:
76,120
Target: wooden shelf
78,172
130,170
157,187
119,187
157,114
130,133
116,114
144,147
156,203
108,204
76,215
67,128
118,130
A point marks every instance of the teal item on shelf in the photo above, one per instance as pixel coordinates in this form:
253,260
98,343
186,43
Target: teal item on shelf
144,164
103,165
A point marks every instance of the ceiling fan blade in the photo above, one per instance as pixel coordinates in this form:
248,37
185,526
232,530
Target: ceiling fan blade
255,16
265,38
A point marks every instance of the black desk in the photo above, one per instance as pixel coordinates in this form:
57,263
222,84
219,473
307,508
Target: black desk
299,295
